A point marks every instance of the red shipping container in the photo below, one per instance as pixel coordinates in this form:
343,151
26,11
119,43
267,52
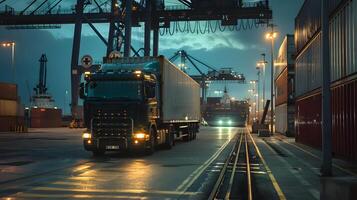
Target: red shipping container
46,118
344,119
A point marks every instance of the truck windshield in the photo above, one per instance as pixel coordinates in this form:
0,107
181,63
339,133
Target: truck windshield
128,90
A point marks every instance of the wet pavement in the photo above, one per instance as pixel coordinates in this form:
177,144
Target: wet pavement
52,164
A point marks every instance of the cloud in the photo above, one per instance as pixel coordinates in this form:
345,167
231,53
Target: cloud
188,41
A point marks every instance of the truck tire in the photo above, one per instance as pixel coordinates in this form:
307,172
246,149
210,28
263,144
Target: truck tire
151,149
97,153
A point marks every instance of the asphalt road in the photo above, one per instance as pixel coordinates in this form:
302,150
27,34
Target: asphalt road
51,163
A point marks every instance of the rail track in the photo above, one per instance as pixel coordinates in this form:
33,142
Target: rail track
242,171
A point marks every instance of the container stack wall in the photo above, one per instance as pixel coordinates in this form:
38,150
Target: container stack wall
343,55
284,81
11,110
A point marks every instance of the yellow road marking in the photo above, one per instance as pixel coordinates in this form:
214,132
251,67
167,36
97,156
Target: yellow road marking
317,157
82,184
132,191
270,174
77,196
194,175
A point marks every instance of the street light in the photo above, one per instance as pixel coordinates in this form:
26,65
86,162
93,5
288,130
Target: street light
12,45
271,36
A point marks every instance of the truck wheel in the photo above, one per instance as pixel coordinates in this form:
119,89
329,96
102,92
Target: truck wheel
97,153
151,149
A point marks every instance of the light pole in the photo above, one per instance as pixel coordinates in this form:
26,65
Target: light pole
261,65
12,45
271,36
326,168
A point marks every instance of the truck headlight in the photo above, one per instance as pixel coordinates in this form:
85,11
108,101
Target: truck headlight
140,136
220,122
87,136
230,122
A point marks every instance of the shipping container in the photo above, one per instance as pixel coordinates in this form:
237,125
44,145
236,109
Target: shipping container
343,51
281,88
8,91
344,118
180,94
281,118
308,68
286,56
308,20
343,41
45,117
9,123
8,108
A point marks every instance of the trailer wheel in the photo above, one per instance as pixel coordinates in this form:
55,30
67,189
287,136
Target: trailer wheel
97,153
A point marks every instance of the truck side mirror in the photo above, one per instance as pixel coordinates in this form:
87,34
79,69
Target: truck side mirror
81,91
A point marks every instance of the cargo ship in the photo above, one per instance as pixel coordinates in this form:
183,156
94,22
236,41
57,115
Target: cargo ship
43,113
226,112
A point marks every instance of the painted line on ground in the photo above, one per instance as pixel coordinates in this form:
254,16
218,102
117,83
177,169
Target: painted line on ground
317,157
75,196
195,174
125,191
301,179
270,174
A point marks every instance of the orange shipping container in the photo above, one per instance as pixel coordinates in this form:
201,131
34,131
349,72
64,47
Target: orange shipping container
8,108
8,91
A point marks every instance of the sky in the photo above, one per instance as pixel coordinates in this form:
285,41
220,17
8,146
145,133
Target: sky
239,50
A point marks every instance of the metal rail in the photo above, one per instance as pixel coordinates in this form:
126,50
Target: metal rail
220,179
233,156
230,184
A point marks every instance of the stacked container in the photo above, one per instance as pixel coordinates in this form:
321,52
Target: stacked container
284,87
46,117
11,113
343,54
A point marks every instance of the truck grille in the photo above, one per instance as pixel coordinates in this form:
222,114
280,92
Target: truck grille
111,126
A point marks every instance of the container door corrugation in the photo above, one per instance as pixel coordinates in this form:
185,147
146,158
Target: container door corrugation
308,68
344,118
308,120
344,111
308,21
343,35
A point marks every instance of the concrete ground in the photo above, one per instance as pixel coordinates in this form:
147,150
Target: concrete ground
51,164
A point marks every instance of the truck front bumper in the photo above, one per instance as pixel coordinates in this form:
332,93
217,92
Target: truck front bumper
114,144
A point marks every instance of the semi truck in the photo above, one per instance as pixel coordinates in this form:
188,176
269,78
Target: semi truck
137,104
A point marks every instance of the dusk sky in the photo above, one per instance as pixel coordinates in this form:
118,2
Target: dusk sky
239,50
